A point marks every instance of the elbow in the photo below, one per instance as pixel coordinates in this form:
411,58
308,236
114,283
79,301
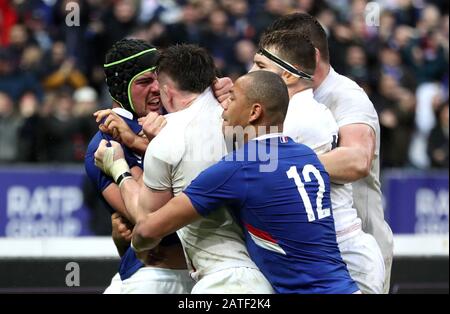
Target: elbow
143,231
144,239
362,168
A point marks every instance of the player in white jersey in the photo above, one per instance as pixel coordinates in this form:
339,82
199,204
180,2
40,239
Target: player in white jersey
191,142
356,158
292,56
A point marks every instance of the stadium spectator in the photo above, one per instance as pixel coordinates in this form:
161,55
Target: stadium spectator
10,124
189,28
217,39
357,66
29,108
395,106
60,70
7,21
390,63
438,140
13,81
59,132
244,50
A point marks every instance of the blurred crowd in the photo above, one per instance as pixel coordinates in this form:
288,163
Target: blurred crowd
51,75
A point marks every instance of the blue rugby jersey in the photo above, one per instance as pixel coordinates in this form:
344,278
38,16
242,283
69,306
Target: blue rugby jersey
101,180
129,263
286,214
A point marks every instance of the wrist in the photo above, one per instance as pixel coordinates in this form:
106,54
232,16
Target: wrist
119,170
122,178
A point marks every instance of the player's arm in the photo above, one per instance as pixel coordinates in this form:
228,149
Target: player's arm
140,199
353,157
112,194
149,230
215,186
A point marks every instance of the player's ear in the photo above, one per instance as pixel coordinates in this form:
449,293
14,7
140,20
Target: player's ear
317,56
169,91
288,78
166,88
255,113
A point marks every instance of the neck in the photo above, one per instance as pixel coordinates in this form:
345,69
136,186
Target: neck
262,129
297,88
185,101
322,70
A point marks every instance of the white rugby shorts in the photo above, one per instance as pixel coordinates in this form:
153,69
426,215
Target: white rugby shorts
234,280
364,262
154,280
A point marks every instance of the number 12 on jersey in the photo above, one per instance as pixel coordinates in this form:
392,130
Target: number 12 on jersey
307,171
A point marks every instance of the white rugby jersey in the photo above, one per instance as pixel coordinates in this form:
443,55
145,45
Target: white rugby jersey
311,123
192,141
349,104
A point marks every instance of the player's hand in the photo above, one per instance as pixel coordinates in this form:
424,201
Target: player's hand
152,124
122,229
101,114
221,88
111,159
115,126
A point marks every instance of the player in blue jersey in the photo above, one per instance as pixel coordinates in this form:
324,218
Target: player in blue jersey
130,73
286,213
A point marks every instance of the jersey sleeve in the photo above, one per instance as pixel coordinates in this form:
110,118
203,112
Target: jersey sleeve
218,185
97,177
355,107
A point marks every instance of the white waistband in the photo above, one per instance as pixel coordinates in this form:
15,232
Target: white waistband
198,275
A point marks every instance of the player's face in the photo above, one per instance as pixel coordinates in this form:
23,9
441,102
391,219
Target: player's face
237,111
145,94
261,62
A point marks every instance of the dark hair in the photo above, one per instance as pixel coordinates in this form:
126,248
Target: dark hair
308,26
189,66
293,47
269,90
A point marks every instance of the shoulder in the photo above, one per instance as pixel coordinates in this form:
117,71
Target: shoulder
349,103
291,148
296,152
348,91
